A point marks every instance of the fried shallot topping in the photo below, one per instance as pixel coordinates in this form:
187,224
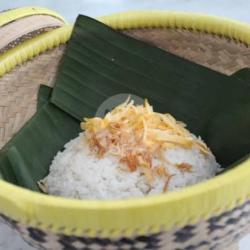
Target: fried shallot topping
137,134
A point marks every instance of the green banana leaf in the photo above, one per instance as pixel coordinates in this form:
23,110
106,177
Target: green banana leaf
100,62
26,158
243,74
44,95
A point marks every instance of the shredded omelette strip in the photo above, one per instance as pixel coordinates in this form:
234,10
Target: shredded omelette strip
136,134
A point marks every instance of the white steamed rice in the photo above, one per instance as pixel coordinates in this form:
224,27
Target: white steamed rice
78,173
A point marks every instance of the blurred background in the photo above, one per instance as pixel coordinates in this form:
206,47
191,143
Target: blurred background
235,9
238,9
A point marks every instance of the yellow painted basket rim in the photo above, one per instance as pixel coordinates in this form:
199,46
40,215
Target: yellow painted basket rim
150,214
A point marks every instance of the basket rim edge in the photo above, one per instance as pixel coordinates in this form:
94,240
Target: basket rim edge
24,210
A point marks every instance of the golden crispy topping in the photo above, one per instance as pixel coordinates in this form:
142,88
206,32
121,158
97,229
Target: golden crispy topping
184,167
169,177
137,134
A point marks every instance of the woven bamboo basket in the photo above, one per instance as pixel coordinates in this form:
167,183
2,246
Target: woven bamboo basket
211,215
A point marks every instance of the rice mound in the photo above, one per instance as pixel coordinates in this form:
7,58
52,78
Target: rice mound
78,173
